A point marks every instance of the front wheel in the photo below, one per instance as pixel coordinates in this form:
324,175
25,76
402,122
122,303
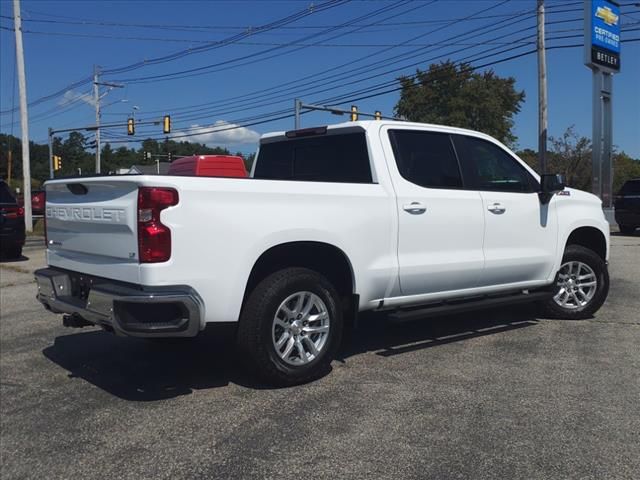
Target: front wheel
581,287
291,326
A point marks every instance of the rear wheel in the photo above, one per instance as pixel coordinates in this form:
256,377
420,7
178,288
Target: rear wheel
291,326
581,287
627,229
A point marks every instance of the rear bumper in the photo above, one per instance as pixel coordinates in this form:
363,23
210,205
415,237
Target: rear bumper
176,311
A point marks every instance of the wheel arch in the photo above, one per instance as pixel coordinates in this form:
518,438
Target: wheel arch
324,258
589,237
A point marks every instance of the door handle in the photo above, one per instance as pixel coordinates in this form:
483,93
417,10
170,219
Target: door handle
496,208
414,208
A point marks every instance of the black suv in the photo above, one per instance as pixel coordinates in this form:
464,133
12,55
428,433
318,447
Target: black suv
11,223
627,206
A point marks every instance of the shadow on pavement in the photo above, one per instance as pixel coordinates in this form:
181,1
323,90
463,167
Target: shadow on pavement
141,370
620,234
376,333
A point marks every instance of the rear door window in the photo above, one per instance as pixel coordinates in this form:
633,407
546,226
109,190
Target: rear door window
342,158
487,167
426,158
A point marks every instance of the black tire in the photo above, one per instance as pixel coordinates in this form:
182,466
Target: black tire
577,253
256,322
627,229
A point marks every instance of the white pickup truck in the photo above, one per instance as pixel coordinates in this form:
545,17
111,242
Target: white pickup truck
410,218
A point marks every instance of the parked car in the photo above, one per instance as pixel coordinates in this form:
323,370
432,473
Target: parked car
627,206
209,166
12,230
408,218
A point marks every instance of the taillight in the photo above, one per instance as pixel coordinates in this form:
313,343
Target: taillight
154,238
13,212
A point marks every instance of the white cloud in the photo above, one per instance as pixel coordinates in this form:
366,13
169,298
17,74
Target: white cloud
71,97
221,133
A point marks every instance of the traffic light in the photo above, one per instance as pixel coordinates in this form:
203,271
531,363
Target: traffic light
166,124
57,162
354,113
131,126
378,115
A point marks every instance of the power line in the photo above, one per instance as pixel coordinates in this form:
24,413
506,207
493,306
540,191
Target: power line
289,93
192,71
208,28
241,109
328,4
204,131
314,76
182,53
284,90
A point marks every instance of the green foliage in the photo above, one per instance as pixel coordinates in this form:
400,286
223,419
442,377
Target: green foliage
248,160
452,94
570,155
624,168
78,157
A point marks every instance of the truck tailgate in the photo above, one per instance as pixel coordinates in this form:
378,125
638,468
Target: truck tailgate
92,223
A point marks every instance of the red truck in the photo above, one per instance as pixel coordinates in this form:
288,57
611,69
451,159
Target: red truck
209,166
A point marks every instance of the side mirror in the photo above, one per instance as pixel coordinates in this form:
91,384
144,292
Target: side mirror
550,183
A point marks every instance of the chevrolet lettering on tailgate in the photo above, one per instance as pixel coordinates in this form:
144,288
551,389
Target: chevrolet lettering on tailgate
91,214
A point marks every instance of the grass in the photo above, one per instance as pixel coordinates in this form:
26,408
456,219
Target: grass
38,228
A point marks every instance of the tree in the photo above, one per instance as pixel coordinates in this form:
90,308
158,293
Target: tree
570,155
75,155
453,94
624,168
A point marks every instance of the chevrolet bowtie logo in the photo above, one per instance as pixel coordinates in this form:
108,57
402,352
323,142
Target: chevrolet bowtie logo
607,16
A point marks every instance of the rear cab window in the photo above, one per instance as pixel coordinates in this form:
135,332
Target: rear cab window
338,156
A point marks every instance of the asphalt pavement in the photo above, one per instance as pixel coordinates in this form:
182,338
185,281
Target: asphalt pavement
494,394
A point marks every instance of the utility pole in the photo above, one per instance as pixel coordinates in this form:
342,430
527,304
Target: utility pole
9,164
24,120
542,92
50,152
297,106
96,99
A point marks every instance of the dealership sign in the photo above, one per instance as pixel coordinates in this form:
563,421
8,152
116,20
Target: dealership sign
602,35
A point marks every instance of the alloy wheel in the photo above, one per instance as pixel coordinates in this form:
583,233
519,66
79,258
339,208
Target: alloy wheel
300,328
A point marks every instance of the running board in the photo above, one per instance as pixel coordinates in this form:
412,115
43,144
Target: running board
467,305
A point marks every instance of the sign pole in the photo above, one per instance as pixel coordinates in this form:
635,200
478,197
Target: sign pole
602,56
606,94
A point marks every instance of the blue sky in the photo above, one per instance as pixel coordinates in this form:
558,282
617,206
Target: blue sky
309,56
